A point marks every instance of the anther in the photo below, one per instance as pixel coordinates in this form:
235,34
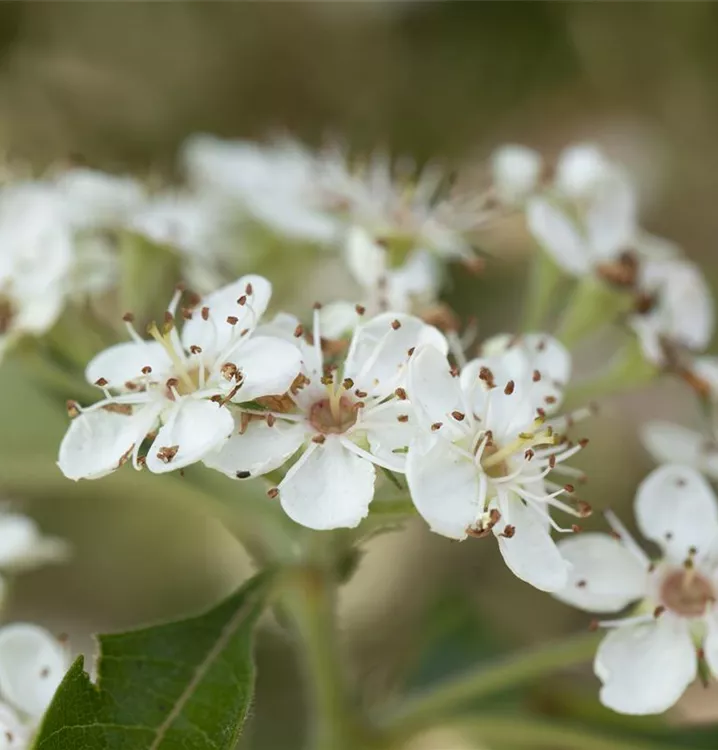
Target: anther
360,309
581,584
299,331
271,419
411,351
244,474
436,426
273,492
228,370
167,453
360,394
508,531
583,442
550,399
319,439
401,394
242,300
593,625
205,313
658,611
584,508
187,313
509,389
454,371
529,454
194,349
172,382
458,416
395,324
576,528
128,317
402,418
232,320
536,376
569,488
317,306
73,409
249,289
552,461
101,382
347,384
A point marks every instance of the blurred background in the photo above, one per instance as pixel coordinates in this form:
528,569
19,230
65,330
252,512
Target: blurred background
122,85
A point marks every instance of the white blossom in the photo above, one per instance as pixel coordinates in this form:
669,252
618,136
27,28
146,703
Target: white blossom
182,384
341,419
516,171
32,665
672,443
483,459
677,311
649,658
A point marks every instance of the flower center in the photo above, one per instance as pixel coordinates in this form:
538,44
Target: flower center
687,593
333,415
494,467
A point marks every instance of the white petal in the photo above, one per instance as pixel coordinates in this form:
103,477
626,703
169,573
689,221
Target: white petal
22,546
555,232
367,261
269,366
604,576
530,553
516,170
337,319
611,221
258,450
434,392
444,486
672,443
676,507
646,668
124,362
32,664
97,442
330,488
388,437
710,645
580,169
379,351
215,333
194,428
14,735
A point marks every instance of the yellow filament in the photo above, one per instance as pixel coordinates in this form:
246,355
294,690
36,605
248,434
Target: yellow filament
525,441
172,354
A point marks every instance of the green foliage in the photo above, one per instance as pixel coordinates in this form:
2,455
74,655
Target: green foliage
185,685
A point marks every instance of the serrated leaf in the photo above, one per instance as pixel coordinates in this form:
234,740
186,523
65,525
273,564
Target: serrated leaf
185,685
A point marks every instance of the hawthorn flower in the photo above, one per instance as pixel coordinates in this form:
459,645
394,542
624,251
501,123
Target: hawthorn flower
651,656
516,173
482,460
588,220
675,311
32,665
178,388
342,419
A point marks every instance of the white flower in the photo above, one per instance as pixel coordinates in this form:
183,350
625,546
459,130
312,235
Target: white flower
678,311
482,461
516,171
649,658
672,443
590,218
345,420
23,546
32,665
185,383
413,283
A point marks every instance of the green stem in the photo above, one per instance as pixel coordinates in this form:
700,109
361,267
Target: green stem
545,278
521,732
429,707
308,601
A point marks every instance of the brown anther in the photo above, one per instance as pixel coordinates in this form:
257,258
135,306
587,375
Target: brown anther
401,394
584,508
395,324
244,474
508,531
326,380
194,349
541,345
583,442
436,426
536,376
402,418
146,370
232,320
167,453
228,370
101,382
529,454
458,416
271,419
358,405
550,399
141,461
317,306
205,313
541,413
581,584
454,371
45,672
552,461
249,289
169,319
615,535
193,299
242,300
576,528
128,317
172,382
347,384
273,492
411,351
593,625
360,394
73,409
509,388
360,309
299,331
130,385
658,611
487,377
569,488
319,438
216,399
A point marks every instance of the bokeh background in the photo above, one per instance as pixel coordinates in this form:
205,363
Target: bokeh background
120,86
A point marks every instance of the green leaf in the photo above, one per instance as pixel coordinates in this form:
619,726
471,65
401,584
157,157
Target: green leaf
185,685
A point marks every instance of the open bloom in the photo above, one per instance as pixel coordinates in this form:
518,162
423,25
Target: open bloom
676,309
182,384
343,419
589,218
649,658
482,461
32,665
